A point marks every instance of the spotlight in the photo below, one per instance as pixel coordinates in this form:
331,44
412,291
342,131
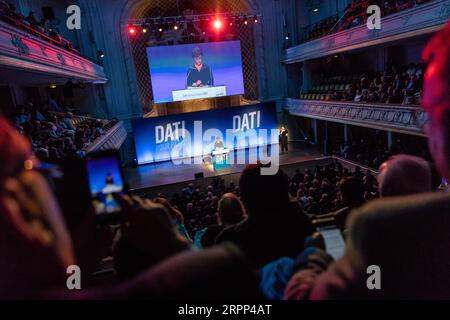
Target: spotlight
245,20
144,30
100,54
230,24
287,36
160,28
132,30
217,24
316,10
255,19
175,27
53,86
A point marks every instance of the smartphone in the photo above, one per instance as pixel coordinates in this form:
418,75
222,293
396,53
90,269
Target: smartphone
334,241
105,178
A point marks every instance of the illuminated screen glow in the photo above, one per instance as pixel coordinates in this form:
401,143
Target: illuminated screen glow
174,73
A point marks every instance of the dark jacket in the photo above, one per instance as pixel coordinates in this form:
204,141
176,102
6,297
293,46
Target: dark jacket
267,237
205,75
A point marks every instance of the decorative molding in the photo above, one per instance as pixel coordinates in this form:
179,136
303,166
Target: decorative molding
397,118
61,58
17,42
43,49
20,50
423,19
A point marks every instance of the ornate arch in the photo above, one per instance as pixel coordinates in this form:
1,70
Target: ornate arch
137,66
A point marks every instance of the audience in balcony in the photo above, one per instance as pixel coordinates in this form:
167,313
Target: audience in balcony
355,15
321,28
54,133
31,24
393,86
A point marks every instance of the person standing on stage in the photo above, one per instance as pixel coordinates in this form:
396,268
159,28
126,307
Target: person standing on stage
284,139
199,74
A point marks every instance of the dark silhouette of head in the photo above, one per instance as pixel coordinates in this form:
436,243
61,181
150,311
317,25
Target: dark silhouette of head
403,175
352,191
230,209
263,194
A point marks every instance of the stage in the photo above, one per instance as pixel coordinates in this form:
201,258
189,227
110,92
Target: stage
166,173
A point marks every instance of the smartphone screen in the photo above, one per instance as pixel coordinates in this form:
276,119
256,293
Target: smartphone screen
334,242
105,179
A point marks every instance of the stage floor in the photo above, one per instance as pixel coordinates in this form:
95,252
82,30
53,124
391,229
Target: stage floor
164,173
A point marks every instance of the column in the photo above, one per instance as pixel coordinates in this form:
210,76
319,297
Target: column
314,126
345,133
389,139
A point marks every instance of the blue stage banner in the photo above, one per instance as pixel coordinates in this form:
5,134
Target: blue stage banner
197,133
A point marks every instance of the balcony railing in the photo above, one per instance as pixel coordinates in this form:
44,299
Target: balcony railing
398,118
420,20
112,139
17,20
24,51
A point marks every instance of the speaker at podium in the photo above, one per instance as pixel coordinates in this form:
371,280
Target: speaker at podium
220,155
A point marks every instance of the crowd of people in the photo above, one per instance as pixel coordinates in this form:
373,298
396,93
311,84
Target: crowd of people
372,153
56,134
355,14
38,27
393,86
205,213
267,244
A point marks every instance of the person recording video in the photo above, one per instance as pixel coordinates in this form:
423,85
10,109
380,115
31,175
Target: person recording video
199,74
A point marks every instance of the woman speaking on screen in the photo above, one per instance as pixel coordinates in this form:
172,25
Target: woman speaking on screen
199,74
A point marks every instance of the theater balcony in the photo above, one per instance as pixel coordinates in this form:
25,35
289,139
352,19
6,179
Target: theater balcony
424,19
407,119
21,50
112,139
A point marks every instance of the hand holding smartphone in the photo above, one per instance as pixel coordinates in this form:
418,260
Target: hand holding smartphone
105,179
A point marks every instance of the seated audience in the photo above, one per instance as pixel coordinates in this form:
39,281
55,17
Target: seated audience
132,249
37,247
176,216
275,226
58,135
405,237
404,175
352,196
390,86
230,212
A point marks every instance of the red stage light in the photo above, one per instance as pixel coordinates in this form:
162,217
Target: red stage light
132,30
217,24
